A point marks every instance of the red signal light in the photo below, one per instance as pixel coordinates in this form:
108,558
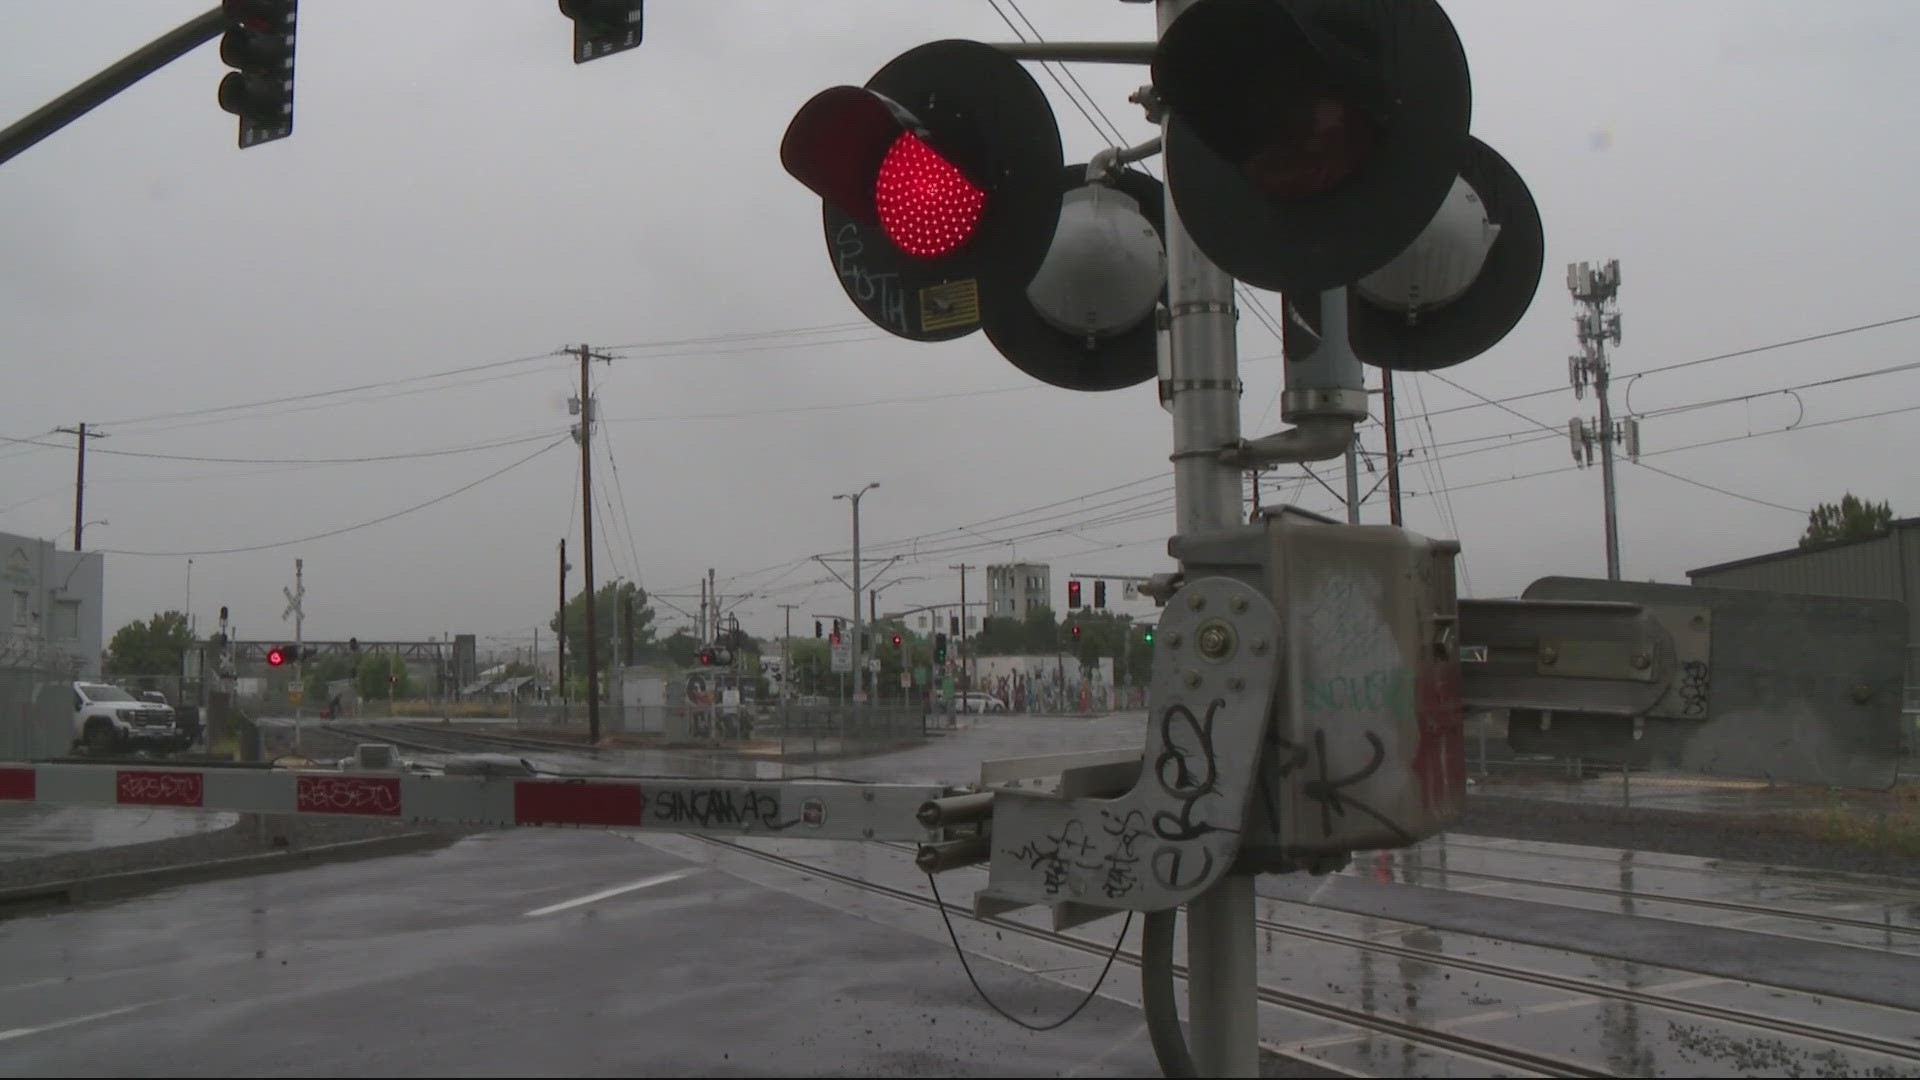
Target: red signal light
275,658
896,641
926,205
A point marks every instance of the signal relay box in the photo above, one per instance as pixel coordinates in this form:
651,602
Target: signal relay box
1365,745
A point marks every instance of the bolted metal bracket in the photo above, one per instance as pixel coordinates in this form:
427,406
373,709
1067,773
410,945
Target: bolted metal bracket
1179,829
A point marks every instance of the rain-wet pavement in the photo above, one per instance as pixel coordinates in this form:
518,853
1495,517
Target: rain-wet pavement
28,830
1668,791
1509,957
465,962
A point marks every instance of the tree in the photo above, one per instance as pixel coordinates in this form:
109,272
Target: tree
1851,519
150,646
376,669
330,670
608,601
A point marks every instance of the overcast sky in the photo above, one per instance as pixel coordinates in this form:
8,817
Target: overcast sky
458,194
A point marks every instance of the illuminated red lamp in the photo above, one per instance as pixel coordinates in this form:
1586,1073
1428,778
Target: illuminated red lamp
927,206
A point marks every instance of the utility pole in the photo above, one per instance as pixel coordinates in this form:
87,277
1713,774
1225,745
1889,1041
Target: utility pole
586,535
1393,446
859,662
966,674
713,619
560,646
1596,322
1353,479
295,597
81,435
700,624
786,661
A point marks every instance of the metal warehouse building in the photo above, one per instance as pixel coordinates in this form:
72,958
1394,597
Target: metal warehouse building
1885,567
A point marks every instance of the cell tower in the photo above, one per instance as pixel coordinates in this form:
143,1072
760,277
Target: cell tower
1597,322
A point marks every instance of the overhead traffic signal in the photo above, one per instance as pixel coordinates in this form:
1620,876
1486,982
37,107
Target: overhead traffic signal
1100,593
816,628
603,27
258,45
1310,141
1073,594
939,648
1149,635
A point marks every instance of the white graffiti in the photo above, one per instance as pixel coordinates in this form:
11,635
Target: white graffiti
348,795
153,787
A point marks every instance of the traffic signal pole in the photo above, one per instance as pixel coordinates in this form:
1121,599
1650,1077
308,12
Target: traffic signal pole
1222,986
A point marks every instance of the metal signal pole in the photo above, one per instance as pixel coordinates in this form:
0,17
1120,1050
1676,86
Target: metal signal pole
1222,988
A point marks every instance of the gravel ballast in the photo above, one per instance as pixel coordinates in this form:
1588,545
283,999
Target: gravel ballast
1766,840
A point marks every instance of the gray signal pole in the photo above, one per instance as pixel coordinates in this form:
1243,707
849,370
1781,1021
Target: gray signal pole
1222,986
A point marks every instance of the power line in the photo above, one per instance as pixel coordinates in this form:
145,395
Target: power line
407,455
742,414
436,500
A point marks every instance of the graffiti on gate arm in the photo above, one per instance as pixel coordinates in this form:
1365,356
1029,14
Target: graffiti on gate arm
1077,857
378,795
1696,684
150,788
722,808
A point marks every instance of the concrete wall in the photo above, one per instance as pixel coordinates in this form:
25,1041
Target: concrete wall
53,598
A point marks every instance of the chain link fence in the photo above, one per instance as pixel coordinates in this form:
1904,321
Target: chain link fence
36,701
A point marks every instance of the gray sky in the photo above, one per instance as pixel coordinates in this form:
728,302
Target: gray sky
457,193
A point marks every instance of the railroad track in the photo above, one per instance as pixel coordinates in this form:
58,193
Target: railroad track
1903,1050
1895,889
1463,1045
410,737
1768,911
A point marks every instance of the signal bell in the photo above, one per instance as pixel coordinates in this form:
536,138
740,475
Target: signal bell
1310,141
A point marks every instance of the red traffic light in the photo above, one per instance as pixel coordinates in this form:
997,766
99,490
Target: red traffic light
276,657
896,641
706,658
1076,631
1073,594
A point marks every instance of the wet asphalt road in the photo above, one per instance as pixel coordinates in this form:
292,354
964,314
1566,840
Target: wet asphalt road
592,953
28,830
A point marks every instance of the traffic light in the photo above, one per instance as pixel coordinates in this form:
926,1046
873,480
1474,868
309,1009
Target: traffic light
935,177
1310,141
816,628
939,648
353,645
277,656
896,641
1073,593
1149,635
258,45
603,27
1076,631
706,657
836,627
953,625
1459,288
1100,593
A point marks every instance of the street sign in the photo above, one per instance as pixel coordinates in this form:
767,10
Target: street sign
873,664
295,695
842,656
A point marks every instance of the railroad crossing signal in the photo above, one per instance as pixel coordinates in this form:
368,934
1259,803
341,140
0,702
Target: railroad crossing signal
603,27
258,45
278,655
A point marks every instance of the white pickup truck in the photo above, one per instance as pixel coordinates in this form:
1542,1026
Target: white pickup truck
109,720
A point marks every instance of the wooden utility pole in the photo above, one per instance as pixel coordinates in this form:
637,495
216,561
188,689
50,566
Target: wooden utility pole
966,676
81,435
586,529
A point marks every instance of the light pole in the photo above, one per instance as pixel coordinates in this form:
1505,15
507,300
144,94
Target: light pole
858,661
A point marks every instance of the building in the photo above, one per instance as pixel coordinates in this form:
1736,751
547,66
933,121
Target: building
1014,588
51,601
1884,567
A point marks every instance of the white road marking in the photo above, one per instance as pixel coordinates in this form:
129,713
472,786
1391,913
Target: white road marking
21,1033
643,883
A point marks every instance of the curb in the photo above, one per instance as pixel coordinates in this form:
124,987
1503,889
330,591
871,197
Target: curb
134,882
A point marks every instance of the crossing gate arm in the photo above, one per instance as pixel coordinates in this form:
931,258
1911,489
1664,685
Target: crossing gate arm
804,810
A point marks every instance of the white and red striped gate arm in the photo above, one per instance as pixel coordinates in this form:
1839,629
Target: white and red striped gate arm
796,809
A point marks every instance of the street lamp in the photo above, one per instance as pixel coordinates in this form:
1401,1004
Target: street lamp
81,531
858,662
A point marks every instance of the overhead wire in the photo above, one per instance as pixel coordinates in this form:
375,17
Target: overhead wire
382,519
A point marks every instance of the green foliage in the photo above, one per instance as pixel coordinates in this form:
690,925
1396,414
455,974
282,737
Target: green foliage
1102,633
150,646
608,601
1850,519
371,678
322,672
